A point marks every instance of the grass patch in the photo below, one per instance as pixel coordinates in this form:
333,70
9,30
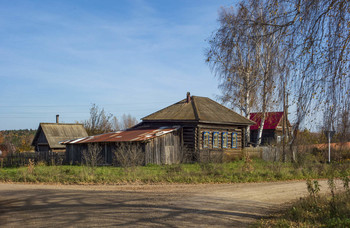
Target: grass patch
331,210
239,171
324,212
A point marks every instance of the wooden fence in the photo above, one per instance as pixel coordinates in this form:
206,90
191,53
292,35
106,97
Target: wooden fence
23,159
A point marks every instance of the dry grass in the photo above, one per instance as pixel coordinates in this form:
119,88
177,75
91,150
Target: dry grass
247,170
331,210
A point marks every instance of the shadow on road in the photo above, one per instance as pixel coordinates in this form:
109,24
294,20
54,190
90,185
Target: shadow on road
42,207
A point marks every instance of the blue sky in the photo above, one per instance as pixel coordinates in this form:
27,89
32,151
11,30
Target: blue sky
59,57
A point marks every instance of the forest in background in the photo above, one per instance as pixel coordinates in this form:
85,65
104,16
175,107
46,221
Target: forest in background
99,122
17,140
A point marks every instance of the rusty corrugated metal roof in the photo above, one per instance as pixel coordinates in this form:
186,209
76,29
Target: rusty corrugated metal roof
129,135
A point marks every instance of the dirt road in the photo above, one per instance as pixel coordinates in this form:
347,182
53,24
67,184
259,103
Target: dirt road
217,205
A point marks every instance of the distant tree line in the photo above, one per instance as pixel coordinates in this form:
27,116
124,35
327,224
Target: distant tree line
17,140
12,141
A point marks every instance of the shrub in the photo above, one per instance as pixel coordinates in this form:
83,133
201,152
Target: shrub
128,155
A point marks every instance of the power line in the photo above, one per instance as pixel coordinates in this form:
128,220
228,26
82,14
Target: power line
73,105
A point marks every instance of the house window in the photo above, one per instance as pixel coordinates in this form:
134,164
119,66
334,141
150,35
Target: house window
234,140
224,140
215,139
279,139
206,135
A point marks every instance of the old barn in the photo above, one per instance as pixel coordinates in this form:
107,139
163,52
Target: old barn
161,145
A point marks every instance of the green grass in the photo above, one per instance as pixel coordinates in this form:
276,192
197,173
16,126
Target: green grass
319,211
234,172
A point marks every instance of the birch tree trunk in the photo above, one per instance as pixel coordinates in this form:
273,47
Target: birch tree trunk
247,113
263,114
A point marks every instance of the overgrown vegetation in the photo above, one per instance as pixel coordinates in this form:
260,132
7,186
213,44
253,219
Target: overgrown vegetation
246,170
316,210
128,155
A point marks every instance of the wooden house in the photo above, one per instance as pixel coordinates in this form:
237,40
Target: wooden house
48,136
209,130
273,128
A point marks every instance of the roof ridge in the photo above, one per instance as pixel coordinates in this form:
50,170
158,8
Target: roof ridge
64,123
163,109
265,112
195,110
198,109
231,110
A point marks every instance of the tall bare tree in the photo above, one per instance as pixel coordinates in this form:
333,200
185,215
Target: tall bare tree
244,56
127,121
115,124
99,122
267,51
318,34
231,57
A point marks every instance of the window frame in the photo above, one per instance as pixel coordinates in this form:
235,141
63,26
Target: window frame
224,135
216,133
206,133
234,141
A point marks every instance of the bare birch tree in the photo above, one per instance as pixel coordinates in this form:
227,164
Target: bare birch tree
267,55
231,57
318,35
244,56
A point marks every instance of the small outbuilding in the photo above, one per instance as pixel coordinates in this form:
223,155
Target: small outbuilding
273,127
48,136
149,145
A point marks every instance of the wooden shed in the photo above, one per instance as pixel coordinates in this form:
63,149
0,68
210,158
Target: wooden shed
49,135
209,130
151,145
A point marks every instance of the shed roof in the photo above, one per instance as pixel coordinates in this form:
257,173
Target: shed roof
56,132
272,120
129,135
201,109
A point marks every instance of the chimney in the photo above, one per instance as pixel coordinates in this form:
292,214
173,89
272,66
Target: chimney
57,119
188,100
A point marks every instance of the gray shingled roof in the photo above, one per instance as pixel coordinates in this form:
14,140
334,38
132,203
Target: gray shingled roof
60,132
200,109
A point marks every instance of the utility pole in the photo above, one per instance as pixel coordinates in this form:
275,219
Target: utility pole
284,123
